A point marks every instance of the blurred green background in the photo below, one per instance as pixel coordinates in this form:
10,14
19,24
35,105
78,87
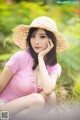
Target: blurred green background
15,12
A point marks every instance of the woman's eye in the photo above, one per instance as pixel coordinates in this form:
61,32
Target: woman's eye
32,36
42,37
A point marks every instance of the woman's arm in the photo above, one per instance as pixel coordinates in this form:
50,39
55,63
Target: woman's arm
48,81
5,77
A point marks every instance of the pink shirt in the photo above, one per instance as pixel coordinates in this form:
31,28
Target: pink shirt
23,82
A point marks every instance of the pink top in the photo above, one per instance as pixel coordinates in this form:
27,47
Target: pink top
23,82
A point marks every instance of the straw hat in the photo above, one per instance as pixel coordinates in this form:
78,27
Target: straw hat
21,32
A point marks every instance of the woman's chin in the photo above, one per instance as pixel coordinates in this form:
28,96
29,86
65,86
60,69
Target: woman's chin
37,51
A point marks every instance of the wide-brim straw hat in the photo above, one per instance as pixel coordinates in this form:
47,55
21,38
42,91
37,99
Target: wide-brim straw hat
21,32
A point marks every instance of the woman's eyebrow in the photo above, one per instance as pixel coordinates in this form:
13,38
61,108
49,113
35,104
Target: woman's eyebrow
42,34
34,33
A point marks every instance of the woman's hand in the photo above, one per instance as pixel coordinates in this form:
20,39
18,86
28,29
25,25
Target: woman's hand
44,52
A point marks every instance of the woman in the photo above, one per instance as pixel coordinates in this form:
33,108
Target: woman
29,77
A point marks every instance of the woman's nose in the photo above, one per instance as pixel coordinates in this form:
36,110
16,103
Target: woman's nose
36,40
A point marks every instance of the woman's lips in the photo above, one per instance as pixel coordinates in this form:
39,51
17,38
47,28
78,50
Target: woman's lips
37,47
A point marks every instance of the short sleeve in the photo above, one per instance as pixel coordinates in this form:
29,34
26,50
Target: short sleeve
56,69
16,61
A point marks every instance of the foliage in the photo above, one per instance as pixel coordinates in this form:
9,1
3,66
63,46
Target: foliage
76,88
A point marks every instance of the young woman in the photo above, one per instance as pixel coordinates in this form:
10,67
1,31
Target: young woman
29,77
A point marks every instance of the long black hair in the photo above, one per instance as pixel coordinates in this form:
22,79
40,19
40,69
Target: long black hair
51,58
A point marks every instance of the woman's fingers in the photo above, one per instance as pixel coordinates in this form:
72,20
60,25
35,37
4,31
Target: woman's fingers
50,44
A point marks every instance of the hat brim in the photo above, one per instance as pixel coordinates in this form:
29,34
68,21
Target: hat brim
21,32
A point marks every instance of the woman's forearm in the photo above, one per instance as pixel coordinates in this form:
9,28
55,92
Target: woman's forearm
45,78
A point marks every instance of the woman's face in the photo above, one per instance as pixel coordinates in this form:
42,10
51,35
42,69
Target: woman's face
39,40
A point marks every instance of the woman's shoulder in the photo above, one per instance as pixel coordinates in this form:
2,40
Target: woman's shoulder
19,59
55,68
57,65
22,53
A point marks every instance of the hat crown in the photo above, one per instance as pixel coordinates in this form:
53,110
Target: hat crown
44,22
